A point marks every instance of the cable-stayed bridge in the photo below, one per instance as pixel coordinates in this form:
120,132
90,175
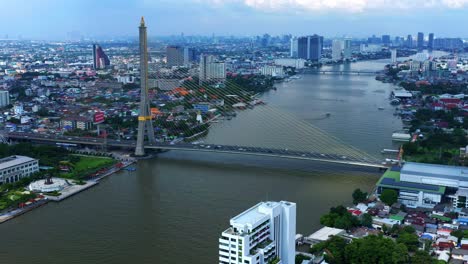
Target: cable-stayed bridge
259,129
349,158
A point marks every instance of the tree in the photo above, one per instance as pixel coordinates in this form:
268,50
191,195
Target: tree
366,220
389,196
457,233
359,196
410,240
375,249
421,257
339,217
334,247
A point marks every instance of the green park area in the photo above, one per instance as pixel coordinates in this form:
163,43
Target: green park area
58,162
83,166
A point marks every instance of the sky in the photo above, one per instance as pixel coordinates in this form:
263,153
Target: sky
54,19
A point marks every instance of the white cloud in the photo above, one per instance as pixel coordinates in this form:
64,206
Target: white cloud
342,5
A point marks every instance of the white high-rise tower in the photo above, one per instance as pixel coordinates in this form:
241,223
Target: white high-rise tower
260,235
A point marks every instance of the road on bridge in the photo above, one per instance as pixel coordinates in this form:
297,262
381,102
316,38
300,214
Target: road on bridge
245,150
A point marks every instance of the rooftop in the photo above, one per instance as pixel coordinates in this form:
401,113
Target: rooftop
13,161
434,170
252,215
325,233
391,179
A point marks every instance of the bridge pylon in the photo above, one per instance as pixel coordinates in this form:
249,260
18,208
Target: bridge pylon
145,124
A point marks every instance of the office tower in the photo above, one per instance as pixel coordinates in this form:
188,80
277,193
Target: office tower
386,40
302,48
293,48
211,70
309,47
175,56
265,41
337,47
409,41
189,56
347,51
448,43
420,40
430,44
145,124
4,98
315,47
321,45
100,59
394,55
262,234
374,40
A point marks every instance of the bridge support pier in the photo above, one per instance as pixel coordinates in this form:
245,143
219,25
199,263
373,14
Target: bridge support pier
145,124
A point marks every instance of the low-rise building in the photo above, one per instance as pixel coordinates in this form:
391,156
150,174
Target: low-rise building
14,168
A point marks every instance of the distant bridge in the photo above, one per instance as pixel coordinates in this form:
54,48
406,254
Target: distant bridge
338,72
243,150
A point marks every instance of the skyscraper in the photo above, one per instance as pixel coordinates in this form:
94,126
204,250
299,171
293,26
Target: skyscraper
189,56
386,40
430,44
100,59
211,70
261,234
394,55
409,41
420,40
315,47
347,51
310,47
337,47
145,124
175,56
4,98
293,52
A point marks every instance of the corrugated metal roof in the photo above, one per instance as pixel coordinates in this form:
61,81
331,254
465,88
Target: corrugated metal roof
435,170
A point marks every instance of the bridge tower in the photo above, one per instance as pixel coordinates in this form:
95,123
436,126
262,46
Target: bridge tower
145,124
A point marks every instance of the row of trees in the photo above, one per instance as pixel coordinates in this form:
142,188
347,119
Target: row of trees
370,249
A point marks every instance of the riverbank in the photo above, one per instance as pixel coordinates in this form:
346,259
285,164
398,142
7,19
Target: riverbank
67,192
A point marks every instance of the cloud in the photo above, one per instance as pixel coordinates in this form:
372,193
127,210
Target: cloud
340,5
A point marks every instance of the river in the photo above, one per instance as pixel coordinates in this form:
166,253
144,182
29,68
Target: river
174,207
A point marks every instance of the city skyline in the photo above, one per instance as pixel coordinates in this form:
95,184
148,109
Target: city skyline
89,19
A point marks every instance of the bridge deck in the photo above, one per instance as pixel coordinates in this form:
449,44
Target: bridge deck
243,150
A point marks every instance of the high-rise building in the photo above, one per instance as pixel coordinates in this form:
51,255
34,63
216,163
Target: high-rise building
386,40
4,98
262,234
100,59
310,47
420,40
337,47
315,47
374,40
189,56
293,48
448,43
347,51
211,70
409,41
430,43
174,56
394,55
